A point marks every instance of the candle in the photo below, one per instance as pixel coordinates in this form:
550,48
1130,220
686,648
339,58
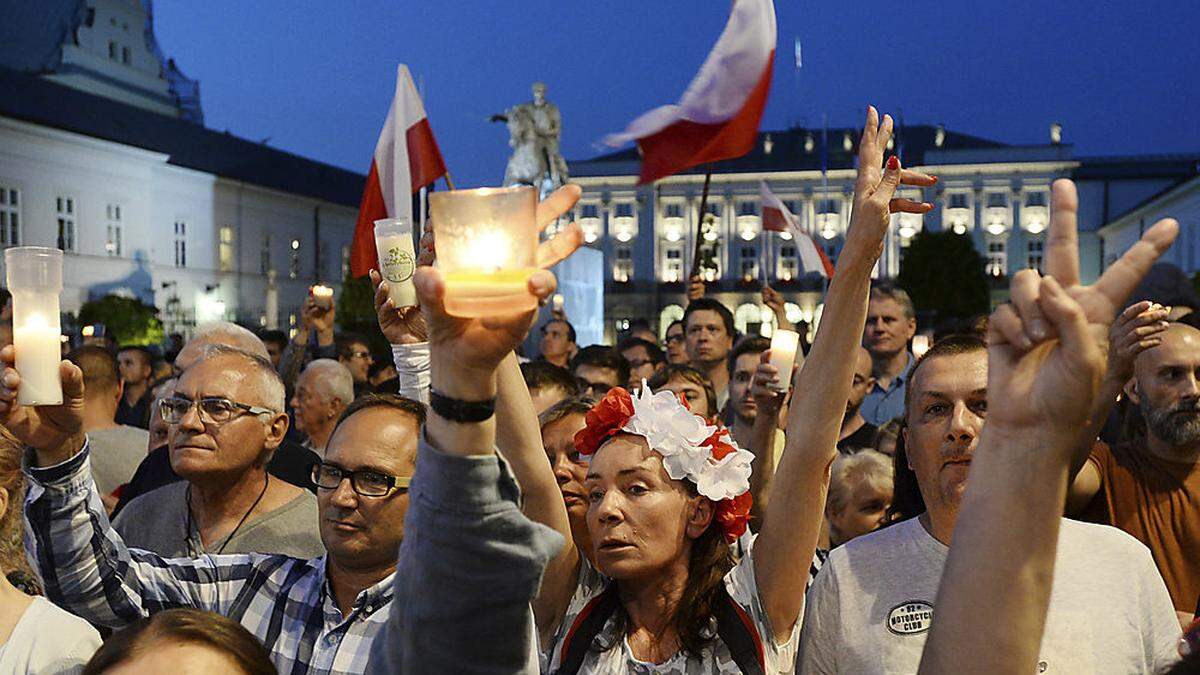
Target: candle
784,344
487,247
35,279
322,296
920,345
397,259
559,302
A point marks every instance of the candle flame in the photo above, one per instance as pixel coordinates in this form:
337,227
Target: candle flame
488,250
35,321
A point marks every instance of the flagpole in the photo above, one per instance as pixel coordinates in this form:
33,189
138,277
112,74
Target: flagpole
824,182
700,224
449,182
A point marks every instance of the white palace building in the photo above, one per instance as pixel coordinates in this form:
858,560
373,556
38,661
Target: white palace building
103,153
996,193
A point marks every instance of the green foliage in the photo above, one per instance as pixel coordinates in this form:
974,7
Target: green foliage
356,313
944,273
129,320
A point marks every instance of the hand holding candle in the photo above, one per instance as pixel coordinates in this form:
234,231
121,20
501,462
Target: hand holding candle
54,431
397,259
784,344
322,296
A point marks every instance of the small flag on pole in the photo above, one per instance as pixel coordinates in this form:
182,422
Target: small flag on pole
718,116
406,159
777,218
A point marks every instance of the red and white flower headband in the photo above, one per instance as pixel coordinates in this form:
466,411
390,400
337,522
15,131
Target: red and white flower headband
691,449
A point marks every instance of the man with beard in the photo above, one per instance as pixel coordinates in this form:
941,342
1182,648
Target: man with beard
891,323
1149,486
857,433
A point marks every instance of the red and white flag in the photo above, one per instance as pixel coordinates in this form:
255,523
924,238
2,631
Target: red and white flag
777,218
406,159
718,116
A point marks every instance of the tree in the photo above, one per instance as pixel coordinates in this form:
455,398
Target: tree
356,312
128,320
943,273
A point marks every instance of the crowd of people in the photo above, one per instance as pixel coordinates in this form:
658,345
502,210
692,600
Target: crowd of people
1024,496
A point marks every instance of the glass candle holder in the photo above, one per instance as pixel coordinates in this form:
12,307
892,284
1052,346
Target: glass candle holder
35,280
784,345
322,296
397,259
486,249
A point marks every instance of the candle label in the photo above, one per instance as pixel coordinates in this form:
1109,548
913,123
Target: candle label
398,265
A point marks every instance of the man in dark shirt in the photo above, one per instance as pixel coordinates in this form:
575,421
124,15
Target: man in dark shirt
857,433
137,368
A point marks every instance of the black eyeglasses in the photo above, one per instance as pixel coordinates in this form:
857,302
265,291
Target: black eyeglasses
367,482
672,339
213,409
596,389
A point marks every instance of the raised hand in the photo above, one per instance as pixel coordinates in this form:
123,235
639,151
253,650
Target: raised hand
766,386
1134,331
56,430
400,325
875,189
1034,381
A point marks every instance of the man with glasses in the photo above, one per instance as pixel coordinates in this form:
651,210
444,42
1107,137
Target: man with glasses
225,421
644,358
354,353
598,369
315,615
676,343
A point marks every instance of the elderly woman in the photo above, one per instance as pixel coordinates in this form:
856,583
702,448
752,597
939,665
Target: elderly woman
860,491
37,636
667,493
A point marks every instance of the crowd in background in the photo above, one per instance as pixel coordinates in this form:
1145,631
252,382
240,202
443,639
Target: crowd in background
253,502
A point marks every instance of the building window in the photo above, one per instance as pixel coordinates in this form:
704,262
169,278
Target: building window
112,230
624,210
789,265
589,211
1035,198
264,254
225,252
294,265
997,259
125,55
710,261
180,243
1034,259
827,206
10,217
623,267
997,200
957,201
673,265
792,206
747,209
749,263
674,211
112,50
65,213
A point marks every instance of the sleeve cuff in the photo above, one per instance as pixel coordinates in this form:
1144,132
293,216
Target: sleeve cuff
466,484
58,473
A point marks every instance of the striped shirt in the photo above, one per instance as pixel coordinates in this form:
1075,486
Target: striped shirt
285,602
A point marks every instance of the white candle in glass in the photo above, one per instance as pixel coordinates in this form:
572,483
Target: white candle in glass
322,296
35,279
397,259
920,345
784,345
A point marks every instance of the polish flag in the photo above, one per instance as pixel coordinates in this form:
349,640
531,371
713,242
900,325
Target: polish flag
718,116
777,218
406,159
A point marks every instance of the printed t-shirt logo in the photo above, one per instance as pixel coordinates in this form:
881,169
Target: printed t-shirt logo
908,618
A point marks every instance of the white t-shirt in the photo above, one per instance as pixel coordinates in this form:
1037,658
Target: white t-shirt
870,608
48,640
610,654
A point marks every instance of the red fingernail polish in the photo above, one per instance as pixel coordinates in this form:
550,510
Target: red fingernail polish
893,162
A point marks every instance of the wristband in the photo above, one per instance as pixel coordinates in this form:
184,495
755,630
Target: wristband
456,410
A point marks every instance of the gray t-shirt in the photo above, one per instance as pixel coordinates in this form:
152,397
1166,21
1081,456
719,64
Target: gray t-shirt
870,608
116,454
157,520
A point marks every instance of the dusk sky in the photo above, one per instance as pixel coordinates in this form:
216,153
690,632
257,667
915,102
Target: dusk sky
316,77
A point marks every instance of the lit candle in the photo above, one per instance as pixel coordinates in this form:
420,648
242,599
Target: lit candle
559,302
920,345
487,249
322,296
784,345
35,279
397,259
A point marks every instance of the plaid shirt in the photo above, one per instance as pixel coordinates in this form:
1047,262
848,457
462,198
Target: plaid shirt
283,601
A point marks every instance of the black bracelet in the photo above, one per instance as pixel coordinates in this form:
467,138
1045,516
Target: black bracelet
456,410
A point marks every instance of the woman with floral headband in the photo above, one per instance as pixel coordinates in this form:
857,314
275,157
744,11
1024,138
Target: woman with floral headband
668,494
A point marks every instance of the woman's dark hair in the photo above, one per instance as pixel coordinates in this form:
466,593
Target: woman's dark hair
906,496
184,626
710,561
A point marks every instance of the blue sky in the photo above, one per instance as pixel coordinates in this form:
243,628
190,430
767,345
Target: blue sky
316,77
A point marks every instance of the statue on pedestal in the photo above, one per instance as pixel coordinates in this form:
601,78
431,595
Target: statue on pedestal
534,130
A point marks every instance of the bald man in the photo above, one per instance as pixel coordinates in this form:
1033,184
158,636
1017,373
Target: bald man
857,433
324,389
1149,485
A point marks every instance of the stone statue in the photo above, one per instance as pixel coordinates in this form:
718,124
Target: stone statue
534,130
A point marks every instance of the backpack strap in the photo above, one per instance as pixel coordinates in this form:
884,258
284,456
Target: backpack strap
741,638
588,624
